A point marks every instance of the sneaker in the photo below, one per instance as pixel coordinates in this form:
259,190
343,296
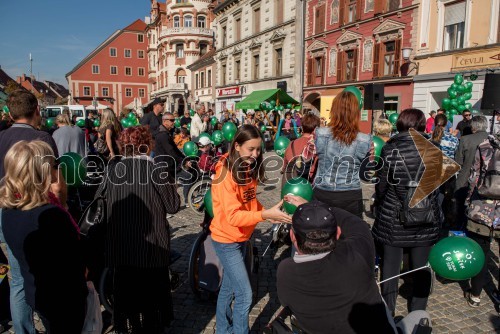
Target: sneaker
471,300
187,205
170,216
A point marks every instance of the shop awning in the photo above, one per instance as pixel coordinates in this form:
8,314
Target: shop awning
254,100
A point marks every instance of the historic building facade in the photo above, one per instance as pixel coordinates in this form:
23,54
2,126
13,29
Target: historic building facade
258,47
115,73
179,33
203,79
454,37
358,42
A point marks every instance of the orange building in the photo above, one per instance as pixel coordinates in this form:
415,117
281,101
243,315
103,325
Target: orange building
115,74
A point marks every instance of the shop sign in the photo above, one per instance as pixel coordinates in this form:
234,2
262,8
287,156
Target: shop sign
478,59
229,91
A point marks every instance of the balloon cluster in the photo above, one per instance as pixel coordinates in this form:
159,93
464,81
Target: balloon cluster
458,94
273,106
130,120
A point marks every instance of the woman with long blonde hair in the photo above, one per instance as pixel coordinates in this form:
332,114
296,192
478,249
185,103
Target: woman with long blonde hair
110,130
341,148
43,238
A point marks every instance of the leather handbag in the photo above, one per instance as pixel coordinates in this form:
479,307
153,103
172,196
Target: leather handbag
101,146
95,214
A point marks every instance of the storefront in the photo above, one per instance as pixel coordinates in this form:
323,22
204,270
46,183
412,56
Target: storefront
227,99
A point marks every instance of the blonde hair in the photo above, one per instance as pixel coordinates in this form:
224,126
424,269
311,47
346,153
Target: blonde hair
28,175
382,127
109,118
63,119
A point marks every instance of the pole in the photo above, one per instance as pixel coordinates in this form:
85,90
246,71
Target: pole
408,272
31,66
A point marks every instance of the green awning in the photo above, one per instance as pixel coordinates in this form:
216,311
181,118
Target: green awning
254,100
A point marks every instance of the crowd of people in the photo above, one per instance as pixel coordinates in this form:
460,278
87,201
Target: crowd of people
328,283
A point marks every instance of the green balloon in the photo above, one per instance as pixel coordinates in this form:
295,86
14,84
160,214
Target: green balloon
448,114
458,79
457,258
126,123
393,118
280,145
204,134
177,123
357,93
461,108
263,128
461,89
452,93
468,86
467,96
209,205
454,86
73,169
475,112
97,123
80,123
131,116
188,126
289,106
191,112
446,103
281,108
217,137
453,113
454,103
229,130
5,109
213,121
460,100
50,122
297,186
272,103
269,107
378,143
190,149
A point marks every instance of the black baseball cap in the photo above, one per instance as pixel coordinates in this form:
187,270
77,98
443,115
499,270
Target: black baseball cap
314,216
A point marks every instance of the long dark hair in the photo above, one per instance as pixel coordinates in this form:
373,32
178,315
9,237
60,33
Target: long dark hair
234,162
440,122
411,118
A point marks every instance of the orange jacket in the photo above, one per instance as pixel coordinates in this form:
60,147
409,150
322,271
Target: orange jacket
236,208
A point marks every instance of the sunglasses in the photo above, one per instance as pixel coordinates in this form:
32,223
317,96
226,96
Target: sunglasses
169,119
467,115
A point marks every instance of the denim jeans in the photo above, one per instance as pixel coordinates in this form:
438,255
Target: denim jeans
235,285
21,312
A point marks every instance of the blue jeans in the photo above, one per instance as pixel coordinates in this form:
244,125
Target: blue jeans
235,285
21,312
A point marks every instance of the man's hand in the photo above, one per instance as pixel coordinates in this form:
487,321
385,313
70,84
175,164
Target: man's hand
294,200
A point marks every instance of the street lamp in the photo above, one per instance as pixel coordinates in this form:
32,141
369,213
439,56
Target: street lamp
405,68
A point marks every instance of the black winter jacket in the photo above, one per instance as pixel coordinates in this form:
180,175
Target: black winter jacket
390,194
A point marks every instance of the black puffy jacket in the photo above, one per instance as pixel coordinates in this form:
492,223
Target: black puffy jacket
388,230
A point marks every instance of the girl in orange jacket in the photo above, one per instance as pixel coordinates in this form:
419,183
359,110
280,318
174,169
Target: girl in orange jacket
236,213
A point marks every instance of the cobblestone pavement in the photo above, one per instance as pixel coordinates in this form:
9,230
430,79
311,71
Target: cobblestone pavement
449,311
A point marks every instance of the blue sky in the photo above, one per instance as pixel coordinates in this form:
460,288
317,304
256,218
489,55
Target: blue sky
59,33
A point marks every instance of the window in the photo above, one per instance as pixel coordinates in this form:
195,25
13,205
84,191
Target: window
86,91
350,10
179,50
347,64
223,75
454,26
319,19
95,69
142,92
278,54
112,52
128,53
188,21
256,20
177,21
202,79
196,85
279,10
224,36
201,22
140,54
140,71
256,67
237,69
181,76
385,6
105,91
392,5
128,92
237,29
203,48
140,38
209,78
114,70
387,58
128,71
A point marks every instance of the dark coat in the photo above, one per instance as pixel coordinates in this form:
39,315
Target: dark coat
464,156
153,121
387,229
167,152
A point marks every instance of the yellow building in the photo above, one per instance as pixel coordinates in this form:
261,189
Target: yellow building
453,37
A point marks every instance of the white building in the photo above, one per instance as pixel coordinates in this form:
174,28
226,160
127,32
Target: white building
179,33
259,45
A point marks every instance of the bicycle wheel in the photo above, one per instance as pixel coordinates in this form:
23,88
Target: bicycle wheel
194,259
106,289
197,194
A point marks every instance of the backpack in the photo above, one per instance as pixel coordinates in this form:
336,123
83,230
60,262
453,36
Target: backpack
422,213
301,167
489,180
